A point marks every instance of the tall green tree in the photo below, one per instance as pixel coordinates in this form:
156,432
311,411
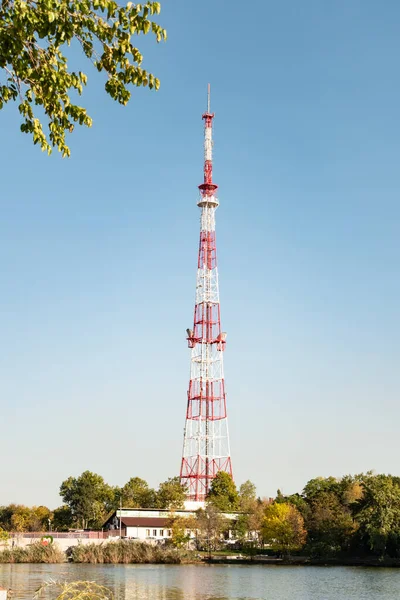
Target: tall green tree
223,493
63,519
315,486
330,525
247,496
248,524
171,494
34,40
136,493
378,512
89,499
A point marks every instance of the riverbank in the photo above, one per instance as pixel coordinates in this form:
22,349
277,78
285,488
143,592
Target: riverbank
115,552
304,561
131,552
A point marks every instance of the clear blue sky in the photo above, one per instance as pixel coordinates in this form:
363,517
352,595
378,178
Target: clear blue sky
98,255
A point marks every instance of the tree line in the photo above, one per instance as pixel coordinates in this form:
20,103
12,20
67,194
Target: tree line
87,500
356,515
351,516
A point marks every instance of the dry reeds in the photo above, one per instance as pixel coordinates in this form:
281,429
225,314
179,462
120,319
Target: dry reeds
75,590
34,553
111,552
126,552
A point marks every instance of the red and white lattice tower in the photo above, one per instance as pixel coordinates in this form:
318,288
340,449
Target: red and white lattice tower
206,439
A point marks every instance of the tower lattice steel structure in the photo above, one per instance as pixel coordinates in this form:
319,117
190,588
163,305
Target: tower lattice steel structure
206,439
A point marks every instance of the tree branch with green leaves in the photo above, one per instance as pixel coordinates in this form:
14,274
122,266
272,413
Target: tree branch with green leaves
34,37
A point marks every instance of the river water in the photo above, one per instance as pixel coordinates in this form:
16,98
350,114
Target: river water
214,582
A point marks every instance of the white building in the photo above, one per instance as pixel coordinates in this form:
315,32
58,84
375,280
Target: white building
150,524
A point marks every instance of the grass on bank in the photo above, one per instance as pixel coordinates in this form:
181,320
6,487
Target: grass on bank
34,553
128,552
112,552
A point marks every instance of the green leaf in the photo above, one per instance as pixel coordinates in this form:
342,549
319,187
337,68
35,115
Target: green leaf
40,74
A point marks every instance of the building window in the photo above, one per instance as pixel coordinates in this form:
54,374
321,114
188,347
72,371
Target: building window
154,532
147,532
162,532
169,532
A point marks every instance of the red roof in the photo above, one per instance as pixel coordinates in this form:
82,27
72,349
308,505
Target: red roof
145,522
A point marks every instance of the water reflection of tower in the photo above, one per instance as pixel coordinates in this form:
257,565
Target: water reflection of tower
153,581
206,448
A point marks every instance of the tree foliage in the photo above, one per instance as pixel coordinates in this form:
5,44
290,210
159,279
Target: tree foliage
20,518
63,518
89,499
171,494
247,527
315,486
329,514
283,528
330,525
247,496
378,512
223,493
296,500
180,529
4,536
353,516
210,525
248,524
136,493
34,35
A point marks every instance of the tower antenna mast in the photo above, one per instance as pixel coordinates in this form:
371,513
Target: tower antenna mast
206,449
